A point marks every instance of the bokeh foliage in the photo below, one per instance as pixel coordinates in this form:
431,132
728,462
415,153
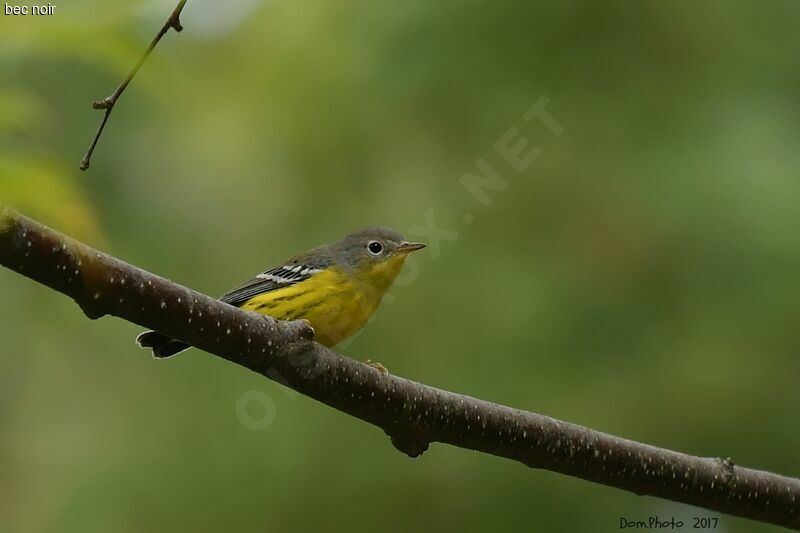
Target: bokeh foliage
639,278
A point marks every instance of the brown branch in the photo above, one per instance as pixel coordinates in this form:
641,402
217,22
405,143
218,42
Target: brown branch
107,103
412,414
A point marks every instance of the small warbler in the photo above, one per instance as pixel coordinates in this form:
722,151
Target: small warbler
336,287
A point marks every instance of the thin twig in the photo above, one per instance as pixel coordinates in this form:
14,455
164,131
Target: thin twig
412,414
107,103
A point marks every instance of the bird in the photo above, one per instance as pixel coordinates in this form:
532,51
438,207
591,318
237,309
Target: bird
335,287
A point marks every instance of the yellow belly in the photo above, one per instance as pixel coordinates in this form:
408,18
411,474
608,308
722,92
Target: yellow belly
335,306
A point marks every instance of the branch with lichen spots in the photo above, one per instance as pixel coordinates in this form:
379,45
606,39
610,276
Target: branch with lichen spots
412,414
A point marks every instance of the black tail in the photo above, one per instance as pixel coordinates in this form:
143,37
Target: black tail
161,345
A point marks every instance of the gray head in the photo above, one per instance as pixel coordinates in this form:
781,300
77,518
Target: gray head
373,245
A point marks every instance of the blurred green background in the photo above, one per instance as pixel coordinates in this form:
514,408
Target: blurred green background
639,278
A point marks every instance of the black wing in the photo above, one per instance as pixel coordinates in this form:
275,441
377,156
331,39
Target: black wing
277,278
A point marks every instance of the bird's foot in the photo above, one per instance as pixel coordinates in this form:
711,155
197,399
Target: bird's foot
377,366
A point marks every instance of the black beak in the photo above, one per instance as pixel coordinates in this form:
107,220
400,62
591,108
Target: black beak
410,246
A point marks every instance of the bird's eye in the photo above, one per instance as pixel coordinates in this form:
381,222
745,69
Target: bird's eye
375,248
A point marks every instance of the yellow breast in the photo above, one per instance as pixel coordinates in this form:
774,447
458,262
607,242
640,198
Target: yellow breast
337,303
